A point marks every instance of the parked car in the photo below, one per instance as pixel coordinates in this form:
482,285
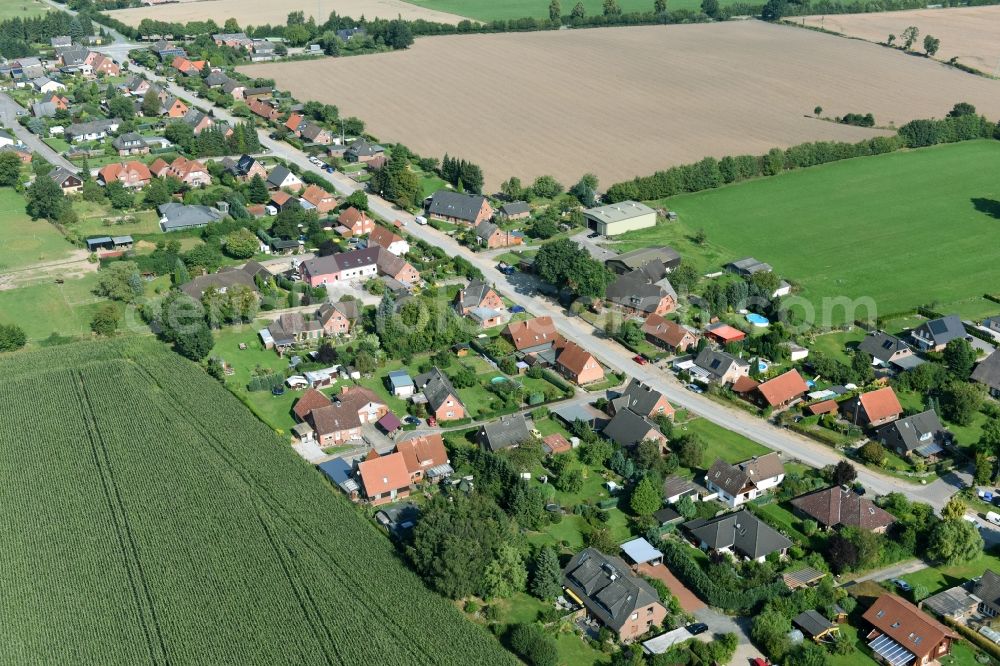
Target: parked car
516,309
985,495
993,517
697,628
328,169
420,219
902,584
694,388
411,420
594,234
639,359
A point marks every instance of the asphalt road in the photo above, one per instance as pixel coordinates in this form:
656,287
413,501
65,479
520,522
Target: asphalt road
8,117
527,291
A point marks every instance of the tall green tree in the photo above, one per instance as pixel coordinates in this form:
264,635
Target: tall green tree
105,321
12,337
45,199
959,356
10,168
151,104
546,575
659,6
611,8
954,542
555,11
505,575
578,11
646,498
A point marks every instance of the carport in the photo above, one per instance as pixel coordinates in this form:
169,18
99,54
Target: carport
641,551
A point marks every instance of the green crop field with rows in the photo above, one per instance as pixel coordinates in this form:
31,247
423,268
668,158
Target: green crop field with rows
150,518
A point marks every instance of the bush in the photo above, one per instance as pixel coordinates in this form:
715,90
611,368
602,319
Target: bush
531,643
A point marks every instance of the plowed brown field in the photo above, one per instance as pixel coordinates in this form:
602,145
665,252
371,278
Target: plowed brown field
971,34
626,101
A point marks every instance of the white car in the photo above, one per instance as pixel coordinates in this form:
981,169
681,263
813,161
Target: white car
420,219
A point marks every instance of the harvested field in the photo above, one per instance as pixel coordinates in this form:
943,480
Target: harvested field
257,12
621,102
971,34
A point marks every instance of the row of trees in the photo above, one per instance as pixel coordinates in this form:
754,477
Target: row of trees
463,175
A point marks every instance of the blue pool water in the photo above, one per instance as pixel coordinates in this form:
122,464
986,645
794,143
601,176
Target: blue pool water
757,320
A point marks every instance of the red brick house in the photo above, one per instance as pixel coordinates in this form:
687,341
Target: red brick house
356,222
338,318
134,175
899,627
102,65
668,334
533,335
385,478
423,454
340,420
264,109
174,108
443,402
579,365
459,208
395,243
477,295
190,172
322,200
492,236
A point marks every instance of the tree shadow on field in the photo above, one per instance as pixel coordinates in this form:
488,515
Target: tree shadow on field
989,206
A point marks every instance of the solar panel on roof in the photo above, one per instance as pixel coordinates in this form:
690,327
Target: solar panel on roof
938,326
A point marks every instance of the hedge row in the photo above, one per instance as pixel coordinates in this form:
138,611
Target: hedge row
710,173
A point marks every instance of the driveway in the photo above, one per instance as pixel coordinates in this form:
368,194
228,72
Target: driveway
894,571
689,602
724,624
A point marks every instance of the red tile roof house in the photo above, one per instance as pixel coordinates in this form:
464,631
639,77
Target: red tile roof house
899,627
174,108
356,222
102,64
339,420
294,122
579,365
382,237
264,109
131,174
190,172
159,168
338,318
280,199
422,454
384,478
396,267
668,334
532,335
477,295
322,200
873,409
783,389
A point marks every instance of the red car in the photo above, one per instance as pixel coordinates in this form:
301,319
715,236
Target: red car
432,422
639,359
758,661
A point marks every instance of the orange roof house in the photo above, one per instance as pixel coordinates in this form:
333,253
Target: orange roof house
385,478
536,334
320,198
174,108
293,122
422,454
159,167
310,400
190,172
133,174
783,389
185,66
579,365
556,443
356,222
823,407
874,408
898,626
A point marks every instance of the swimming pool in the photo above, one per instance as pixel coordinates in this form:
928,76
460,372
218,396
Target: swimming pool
498,380
757,320
762,366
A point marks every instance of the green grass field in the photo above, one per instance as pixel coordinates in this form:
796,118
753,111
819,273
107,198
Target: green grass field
46,308
494,10
936,579
151,519
721,443
905,229
24,241
21,9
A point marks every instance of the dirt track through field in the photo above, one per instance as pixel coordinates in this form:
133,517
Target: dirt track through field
622,102
971,34
257,12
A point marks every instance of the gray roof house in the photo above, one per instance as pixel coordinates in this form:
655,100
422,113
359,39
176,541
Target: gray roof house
95,129
739,532
129,141
987,588
463,206
886,349
515,209
987,373
362,149
437,388
630,261
747,266
279,175
643,291
606,586
921,434
509,431
44,109
174,216
629,429
215,79
720,366
472,296
935,334
640,398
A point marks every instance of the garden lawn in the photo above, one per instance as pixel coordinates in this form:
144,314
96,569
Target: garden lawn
860,656
940,578
24,241
46,308
721,443
491,10
868,227
21,9
57,144
835,344
92,216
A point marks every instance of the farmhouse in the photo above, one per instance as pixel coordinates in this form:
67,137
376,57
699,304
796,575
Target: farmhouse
902,634
507,432
921,434
289,329
67,181
515,210
339,420
357,265
643,292
739,533
492,236
934,335
610,594
887,350
459,208
874,408
443,402
636,259
745,481
617,218
843,507
783,389
668,334
578,365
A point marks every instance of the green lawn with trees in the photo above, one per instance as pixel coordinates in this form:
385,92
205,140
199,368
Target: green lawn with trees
485,10
46,308
835,230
